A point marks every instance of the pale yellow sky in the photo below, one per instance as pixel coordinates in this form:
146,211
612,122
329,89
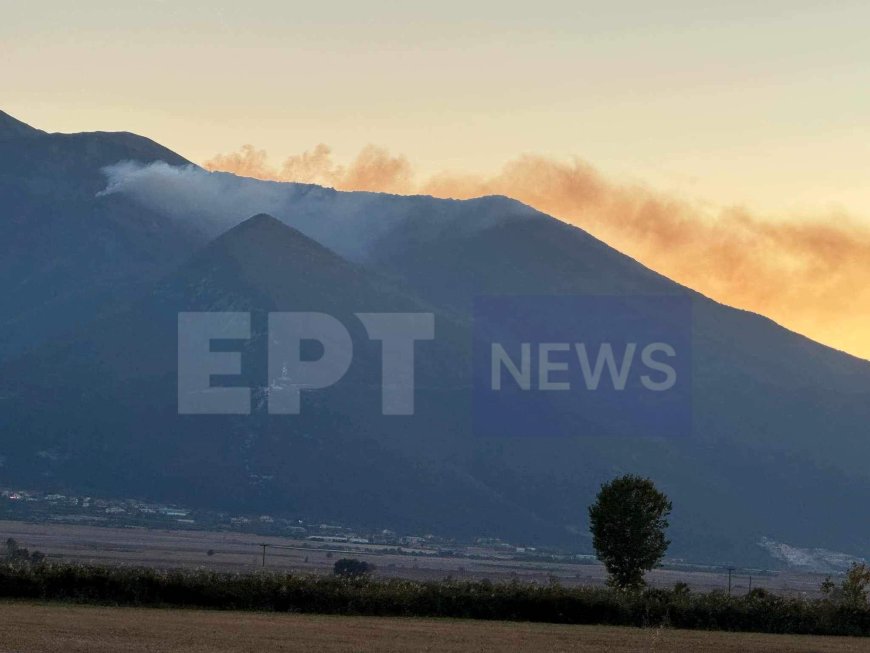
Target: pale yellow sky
765,104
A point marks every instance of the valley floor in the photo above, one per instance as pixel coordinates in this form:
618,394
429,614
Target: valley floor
242,553
31,627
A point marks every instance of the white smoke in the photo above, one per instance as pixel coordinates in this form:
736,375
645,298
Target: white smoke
211,201
350,223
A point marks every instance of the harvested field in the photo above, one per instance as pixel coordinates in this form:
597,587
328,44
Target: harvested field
26,627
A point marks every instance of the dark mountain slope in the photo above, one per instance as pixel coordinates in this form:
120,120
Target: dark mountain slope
99,412
104,405
64,252
737,350
776,415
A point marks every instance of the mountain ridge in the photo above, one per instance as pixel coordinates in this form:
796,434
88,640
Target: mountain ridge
11,127
777,415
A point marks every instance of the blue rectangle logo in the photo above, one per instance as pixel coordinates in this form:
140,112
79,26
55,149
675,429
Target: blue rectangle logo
566,366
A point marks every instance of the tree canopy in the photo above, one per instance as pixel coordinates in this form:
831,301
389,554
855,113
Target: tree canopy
628,522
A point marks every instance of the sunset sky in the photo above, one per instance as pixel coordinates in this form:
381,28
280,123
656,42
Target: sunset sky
724,144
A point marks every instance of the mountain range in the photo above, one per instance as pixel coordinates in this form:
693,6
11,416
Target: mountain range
106,237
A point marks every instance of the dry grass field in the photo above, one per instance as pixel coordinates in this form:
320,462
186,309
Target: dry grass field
28,627
239,552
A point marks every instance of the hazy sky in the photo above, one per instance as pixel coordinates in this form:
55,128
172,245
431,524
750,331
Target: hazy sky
728,142
758,103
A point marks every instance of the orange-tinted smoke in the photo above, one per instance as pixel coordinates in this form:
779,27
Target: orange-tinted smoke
809,274
374,169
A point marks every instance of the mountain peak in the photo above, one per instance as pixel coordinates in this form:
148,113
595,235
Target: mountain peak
261,221
265,263
263,238
266,230
13,128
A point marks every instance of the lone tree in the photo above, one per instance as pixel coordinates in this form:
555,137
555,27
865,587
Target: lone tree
628,522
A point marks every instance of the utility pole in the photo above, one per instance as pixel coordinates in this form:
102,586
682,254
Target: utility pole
264,553
730,569
750,583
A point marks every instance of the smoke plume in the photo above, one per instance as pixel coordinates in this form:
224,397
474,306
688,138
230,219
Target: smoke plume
808,273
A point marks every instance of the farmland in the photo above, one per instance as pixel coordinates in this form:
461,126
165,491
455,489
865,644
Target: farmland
26,627
241,552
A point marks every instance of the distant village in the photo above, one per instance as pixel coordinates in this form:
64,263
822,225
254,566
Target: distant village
41,507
